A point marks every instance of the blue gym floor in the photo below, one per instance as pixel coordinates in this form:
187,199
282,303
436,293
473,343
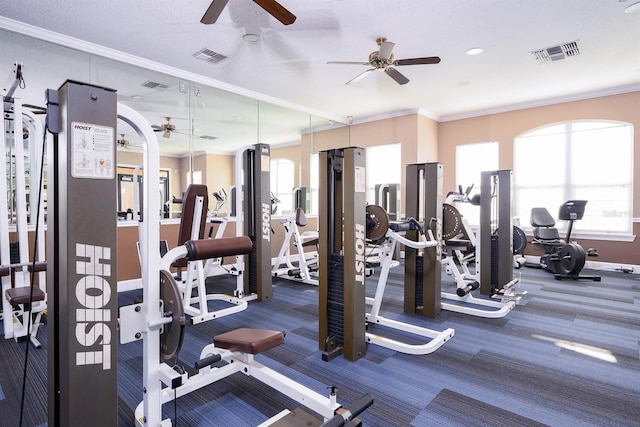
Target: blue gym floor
568,355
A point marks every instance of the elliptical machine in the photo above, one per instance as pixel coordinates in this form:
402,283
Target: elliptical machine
563,258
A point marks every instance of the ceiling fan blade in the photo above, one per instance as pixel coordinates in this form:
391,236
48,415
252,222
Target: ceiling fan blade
418,61
360,76
397,76
276,10
213,12
386,48
156,128
347,62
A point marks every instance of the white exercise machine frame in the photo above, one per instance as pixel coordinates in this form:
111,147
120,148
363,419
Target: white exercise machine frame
500,305
195,278
180,384
149,315
18,323
438,338
294,237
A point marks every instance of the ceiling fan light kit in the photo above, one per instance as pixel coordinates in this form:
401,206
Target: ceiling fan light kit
383,59
166,128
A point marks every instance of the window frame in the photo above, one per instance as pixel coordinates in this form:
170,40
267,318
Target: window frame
569,131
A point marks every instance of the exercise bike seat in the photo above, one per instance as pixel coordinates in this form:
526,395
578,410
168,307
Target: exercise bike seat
544,226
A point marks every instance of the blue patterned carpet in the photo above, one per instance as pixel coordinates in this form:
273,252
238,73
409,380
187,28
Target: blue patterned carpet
567,355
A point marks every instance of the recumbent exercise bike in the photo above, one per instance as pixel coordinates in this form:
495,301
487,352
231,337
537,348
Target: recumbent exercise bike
563,258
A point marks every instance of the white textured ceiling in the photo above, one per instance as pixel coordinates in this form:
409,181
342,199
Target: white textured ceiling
290,62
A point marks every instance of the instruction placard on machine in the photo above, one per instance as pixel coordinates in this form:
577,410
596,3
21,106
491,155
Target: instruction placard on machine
92,151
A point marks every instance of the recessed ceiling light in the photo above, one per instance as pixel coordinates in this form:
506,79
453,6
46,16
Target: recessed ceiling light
474,51
633,8
136,97
237,117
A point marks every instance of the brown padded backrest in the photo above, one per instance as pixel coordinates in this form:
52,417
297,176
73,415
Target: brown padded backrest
186,221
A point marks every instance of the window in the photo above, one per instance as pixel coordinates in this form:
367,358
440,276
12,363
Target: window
471,160
282,183
583,160
126,199
383,166
314,181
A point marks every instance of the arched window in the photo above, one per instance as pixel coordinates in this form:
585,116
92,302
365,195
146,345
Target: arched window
582,160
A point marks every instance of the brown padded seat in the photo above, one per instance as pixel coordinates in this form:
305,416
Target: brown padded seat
4,271
22,295
249,340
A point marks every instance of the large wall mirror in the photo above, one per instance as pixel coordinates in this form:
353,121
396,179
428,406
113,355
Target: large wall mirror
199,127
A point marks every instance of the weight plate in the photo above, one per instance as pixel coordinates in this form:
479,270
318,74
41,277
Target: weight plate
173,333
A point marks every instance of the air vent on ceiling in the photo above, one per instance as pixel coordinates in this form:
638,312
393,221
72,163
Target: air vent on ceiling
154,85
209,55
556,53
209,137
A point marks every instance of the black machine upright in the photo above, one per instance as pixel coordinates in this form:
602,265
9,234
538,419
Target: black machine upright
256,219
342,234
82,321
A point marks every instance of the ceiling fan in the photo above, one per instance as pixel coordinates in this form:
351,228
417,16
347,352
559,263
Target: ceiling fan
167,128
382,59
274,8
124,143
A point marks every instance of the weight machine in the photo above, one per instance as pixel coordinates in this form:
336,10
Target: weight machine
23,303
344,230
82,264
253,219
307,269
82,320
192,281
235,348
393,233
494,260
424,182
461,246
